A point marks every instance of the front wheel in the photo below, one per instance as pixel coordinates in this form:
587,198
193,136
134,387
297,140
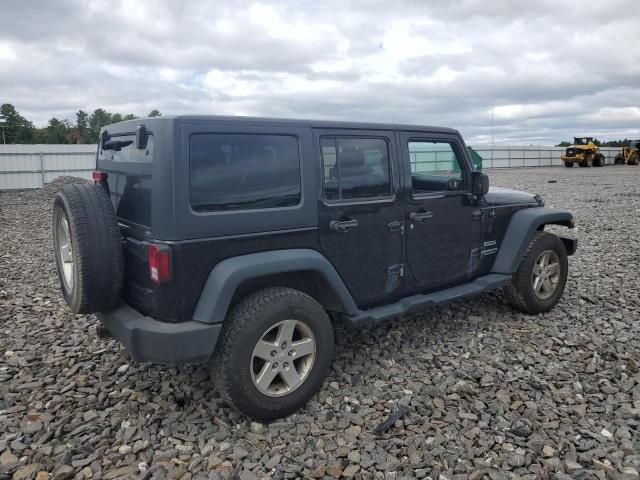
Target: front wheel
568,164
633,159
273,354
539,281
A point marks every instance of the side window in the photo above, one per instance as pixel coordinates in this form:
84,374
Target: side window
355,168
238,172
435,167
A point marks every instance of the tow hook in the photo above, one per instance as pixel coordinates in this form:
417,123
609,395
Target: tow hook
103,333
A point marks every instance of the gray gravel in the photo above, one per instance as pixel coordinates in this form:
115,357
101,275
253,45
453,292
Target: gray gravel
491,393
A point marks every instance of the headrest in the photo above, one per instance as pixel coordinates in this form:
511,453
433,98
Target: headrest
208,158
351,158
259,155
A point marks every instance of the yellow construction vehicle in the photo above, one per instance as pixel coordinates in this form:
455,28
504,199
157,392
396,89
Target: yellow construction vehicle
629,154
583,152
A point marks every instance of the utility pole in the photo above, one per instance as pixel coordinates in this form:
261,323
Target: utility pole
492,135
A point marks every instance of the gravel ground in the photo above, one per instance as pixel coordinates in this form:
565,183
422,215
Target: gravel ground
491,393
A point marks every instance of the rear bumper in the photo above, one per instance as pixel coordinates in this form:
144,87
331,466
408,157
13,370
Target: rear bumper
149,340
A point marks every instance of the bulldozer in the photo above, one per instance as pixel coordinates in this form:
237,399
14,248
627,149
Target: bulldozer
583,152
629,154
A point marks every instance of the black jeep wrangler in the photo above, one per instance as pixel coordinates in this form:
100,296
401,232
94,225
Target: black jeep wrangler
240,241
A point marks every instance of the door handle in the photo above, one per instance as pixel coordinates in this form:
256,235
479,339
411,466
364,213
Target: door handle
420,216
342,226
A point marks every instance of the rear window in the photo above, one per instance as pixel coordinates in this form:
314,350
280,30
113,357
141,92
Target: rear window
243,171
129,169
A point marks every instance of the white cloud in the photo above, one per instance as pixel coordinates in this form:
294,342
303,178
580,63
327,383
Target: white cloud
6,52
438,62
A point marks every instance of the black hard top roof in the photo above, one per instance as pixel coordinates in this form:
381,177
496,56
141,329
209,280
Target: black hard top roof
289,122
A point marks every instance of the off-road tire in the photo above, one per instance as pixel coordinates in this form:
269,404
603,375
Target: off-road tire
520,294
598,160
618,160
244,326
568,164
633,159
587,162
96,248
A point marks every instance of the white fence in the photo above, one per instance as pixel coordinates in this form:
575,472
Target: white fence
32,166
500,157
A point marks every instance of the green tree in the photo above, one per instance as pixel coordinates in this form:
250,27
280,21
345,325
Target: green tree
82,126
98,119
129,116
16,128
115,118
57,131
563,144
154,113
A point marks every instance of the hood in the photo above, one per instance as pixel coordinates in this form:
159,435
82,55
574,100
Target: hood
506,196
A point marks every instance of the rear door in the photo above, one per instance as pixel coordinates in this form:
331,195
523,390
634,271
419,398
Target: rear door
129,176
444,227
360,212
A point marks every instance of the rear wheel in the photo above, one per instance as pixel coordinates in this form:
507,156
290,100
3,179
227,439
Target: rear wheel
87,248
273,354
633,159
568,164
539,281
618,160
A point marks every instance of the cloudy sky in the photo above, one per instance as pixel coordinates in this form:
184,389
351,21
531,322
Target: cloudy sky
550,69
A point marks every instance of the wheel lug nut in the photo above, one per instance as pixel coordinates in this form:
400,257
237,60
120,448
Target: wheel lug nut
285,365
292,353
275,365
273,353
284,345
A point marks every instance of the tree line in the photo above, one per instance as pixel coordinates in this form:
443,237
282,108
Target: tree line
598,143
14,128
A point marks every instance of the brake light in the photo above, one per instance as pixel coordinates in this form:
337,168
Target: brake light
159,263
99,176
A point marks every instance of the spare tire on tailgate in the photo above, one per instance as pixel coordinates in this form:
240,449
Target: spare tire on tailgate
87,248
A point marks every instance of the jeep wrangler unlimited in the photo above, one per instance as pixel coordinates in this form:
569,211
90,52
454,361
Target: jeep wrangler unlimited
239,241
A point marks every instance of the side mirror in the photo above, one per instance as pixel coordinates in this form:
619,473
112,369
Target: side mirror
479,184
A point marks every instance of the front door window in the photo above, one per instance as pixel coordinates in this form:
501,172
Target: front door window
435,167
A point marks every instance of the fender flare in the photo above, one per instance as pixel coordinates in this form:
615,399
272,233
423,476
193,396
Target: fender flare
521,230
227,275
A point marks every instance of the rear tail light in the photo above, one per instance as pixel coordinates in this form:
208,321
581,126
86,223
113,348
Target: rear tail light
159,263
99,176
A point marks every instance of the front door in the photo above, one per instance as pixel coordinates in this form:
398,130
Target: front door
443,225
360,214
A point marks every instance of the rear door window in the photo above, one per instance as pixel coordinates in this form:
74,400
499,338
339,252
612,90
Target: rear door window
243,171
355,168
